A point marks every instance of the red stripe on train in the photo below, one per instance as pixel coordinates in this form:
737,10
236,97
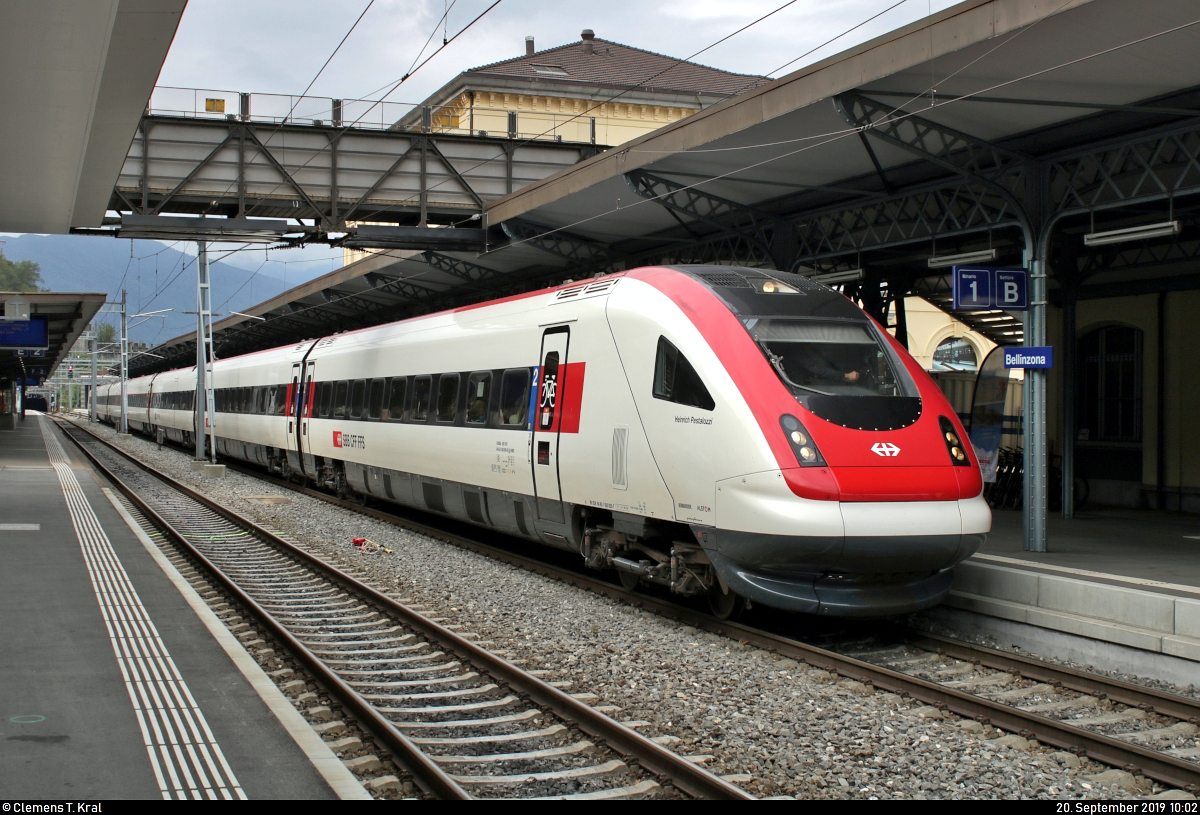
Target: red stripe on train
573,398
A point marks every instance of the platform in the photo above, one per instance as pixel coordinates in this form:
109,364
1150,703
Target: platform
1125,577
178,712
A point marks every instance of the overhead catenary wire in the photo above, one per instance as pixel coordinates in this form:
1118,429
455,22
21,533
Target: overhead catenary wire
852,131
602,102
392,89
299,99
828,138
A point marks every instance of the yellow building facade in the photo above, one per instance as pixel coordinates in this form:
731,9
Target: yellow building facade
591,91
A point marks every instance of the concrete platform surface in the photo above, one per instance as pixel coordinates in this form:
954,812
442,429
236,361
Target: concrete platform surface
112,684
1146,544
1124,577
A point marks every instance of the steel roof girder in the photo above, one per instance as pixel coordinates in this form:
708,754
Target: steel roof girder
955,150
719,213
958,207
462,269
1163,165
560,243
721,249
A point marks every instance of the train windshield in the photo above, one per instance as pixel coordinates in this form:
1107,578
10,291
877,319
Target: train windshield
828,357
841,370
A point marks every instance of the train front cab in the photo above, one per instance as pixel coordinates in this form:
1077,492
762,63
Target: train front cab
866,497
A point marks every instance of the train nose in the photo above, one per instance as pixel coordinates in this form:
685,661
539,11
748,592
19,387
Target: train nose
840,558
903,537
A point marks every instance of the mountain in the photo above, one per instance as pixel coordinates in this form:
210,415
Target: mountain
155,277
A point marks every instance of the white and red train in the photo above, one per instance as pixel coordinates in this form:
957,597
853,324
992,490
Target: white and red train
731,432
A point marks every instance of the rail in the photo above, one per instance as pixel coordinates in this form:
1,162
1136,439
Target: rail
663,764
1154,764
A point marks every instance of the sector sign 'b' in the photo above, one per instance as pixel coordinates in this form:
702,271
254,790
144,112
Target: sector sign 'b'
982,288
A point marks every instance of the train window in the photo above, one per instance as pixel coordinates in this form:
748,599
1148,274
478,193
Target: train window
675,380
375,399
514,398
324,394
420,406
447,406
395,408
340,396
358,396
260,401
479,389
270,399
828,358
244,406
281,400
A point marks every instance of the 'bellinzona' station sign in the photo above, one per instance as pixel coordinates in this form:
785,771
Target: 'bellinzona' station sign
1038,356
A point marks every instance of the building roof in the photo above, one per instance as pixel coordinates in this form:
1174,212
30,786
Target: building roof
615,65
1128,90
67,315
80,74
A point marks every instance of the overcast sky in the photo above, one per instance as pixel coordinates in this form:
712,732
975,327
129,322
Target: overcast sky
278,47
271,46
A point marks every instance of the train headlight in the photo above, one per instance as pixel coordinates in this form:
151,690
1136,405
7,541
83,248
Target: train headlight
765,286
954,446
806,452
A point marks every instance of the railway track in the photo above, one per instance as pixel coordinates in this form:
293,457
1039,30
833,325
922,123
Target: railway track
460,720
1114,722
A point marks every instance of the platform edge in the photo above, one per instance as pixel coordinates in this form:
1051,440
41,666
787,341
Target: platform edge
329,766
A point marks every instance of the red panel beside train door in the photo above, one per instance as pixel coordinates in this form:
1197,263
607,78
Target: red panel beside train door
551,395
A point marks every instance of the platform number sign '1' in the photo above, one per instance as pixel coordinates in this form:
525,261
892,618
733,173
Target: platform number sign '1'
980,288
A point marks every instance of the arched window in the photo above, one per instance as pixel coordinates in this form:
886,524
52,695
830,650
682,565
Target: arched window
955,354
1109,386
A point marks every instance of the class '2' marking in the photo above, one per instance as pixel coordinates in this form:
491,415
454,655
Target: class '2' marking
885,448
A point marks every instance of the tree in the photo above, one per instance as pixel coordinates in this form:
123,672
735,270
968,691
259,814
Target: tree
24,275
106,333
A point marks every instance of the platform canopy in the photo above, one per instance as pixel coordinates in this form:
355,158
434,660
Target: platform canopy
67,315
1009,129
77,77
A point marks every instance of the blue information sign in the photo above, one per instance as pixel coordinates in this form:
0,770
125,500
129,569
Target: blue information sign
1034,356
982,288
1012,289
972,289
31,333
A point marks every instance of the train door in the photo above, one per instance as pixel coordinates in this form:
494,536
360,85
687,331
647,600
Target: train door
295,399
304,409
551,391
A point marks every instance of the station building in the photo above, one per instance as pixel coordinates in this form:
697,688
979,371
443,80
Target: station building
1032,137
592,90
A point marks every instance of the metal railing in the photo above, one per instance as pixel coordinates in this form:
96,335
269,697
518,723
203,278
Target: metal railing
472,120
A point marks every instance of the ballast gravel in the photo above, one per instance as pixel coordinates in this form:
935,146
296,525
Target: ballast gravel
769,724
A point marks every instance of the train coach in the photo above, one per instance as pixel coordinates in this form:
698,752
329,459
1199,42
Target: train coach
727,432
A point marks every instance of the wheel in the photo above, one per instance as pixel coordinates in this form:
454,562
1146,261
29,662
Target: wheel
629,581
725,606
